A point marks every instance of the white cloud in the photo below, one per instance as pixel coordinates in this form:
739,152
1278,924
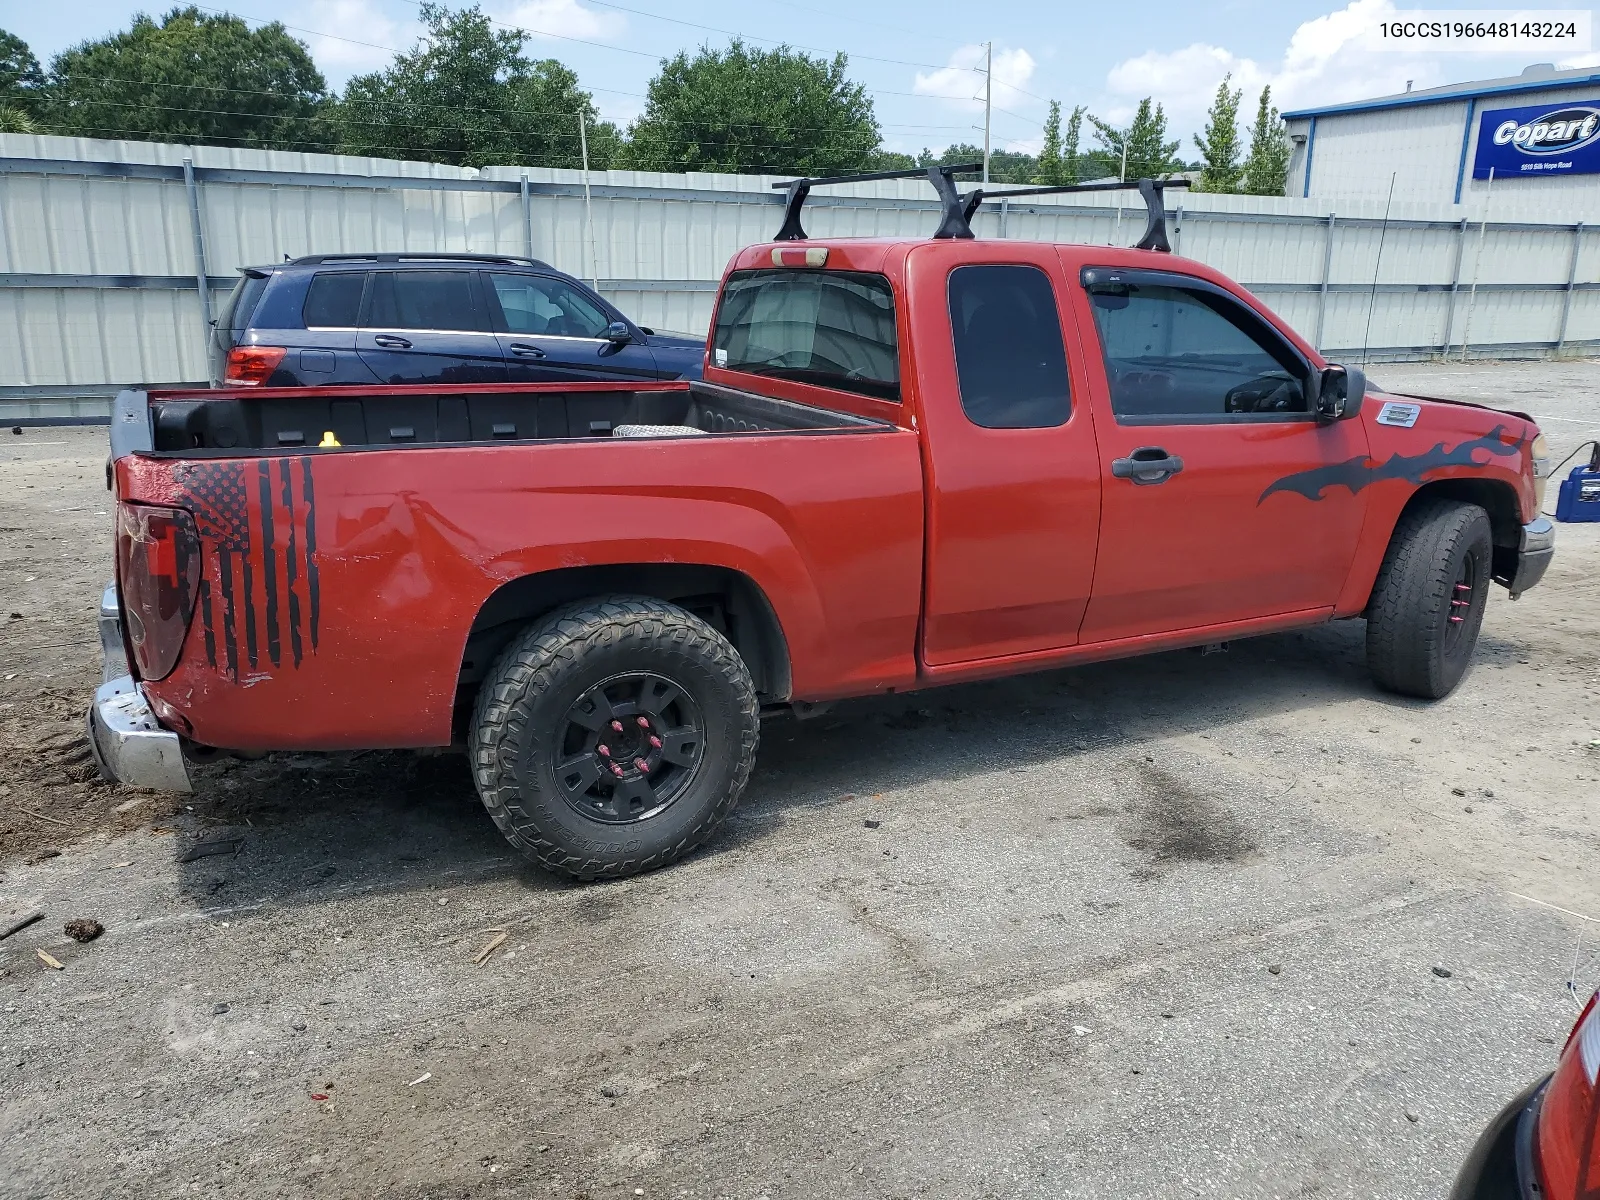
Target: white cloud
545,20
353,36
1329,59
961,82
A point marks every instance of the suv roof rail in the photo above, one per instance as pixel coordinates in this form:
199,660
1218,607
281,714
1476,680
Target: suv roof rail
958,209
315,260
1155,229
956,221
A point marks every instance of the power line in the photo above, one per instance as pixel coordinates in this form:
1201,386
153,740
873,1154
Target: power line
623,49
445,108
399,182
773,41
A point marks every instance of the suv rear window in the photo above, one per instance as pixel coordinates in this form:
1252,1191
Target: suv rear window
334,299
833,328
236,310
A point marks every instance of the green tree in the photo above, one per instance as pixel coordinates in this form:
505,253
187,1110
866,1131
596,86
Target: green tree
892,160
1052,171
21,80
755,111
467,95
195,77
1005,166
1071,161
1220,170
1149,152
1266,167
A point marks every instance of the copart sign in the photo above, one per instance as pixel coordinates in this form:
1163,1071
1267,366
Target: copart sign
1550,139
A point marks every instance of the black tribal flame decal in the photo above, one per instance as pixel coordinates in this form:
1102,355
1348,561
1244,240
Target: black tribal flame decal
1357,473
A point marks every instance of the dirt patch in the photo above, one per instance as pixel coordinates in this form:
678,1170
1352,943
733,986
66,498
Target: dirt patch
1172,823
52,794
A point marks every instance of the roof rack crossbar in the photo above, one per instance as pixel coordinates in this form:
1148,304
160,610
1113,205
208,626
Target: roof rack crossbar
411,256
1155,230
957,209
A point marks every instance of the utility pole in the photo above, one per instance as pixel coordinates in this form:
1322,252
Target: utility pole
588,208
988,98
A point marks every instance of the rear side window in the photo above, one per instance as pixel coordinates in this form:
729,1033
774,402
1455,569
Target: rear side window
444,300
334,299
1010,360
833,328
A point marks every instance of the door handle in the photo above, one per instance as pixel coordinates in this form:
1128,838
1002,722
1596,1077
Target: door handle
390,342
1146,466
524,350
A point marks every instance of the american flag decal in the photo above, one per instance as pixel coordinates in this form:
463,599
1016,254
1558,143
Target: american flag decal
259,597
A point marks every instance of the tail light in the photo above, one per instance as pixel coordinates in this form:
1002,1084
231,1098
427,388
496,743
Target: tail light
252,366
158,575
1569,1117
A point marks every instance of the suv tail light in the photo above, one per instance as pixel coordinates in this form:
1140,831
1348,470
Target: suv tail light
252,366
1569,1116
158,575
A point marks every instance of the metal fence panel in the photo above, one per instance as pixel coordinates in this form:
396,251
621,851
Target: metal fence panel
98,249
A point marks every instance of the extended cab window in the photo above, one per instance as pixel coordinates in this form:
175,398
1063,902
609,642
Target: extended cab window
333,301
1010,361
834,328
442,300
1191,354
538,305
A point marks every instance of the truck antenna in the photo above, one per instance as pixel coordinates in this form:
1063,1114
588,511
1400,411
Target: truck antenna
1372,298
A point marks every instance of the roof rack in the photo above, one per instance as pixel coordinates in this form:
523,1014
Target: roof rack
314,260
958,209
1155,230
956,220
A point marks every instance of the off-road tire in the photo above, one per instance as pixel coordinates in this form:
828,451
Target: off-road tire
1408,650
522,707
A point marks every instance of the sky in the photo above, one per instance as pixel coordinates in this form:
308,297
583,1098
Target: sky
916,57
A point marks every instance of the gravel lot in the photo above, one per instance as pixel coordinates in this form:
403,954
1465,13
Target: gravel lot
1155,928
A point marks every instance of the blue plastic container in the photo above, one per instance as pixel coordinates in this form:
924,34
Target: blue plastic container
1579,499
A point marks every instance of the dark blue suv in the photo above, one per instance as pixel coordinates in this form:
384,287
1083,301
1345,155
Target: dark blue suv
431,318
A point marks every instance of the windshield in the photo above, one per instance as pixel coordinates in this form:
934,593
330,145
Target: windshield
833,328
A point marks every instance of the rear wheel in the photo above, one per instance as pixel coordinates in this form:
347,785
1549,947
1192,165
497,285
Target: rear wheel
613,736
1428,603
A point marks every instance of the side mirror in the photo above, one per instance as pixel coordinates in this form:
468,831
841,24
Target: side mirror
1339,393
618,333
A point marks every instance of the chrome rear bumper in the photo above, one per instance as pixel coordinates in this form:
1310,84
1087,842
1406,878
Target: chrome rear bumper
129,744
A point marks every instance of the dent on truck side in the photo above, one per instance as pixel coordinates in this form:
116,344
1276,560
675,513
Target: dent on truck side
409,545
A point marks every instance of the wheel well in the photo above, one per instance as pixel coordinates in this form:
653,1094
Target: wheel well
1498,499
729,601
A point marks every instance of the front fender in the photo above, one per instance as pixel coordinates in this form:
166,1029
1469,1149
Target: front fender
1470,453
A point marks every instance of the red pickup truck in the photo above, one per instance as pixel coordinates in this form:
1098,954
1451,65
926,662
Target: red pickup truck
911,462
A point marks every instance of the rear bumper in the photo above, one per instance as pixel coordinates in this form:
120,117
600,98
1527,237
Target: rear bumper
1501,1164
1536,549
129,744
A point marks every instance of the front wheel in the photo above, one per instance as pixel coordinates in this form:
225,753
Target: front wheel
1427,605
613,736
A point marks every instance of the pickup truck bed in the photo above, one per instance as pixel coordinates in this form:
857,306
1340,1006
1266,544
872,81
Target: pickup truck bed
390,417
438,552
